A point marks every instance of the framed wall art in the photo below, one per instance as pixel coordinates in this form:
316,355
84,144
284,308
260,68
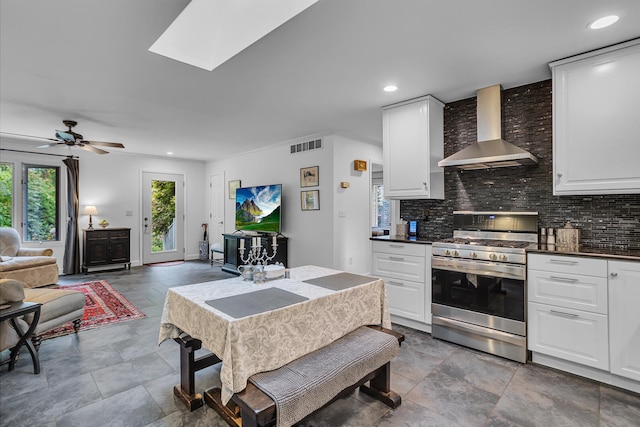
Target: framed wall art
310,200
233,186
309,177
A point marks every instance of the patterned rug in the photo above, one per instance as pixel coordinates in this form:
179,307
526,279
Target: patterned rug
104,306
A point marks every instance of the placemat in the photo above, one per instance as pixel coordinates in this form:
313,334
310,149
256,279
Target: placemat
251,303
340,281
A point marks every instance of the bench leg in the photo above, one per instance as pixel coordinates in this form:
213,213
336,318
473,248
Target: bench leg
186,391
380,387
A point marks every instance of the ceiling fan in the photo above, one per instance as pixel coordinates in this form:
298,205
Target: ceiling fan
72,139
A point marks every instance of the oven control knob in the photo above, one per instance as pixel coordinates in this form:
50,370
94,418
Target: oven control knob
474,255
503,258
447,252
493,257
456,253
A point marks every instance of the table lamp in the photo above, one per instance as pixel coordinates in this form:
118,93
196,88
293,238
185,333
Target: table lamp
90,210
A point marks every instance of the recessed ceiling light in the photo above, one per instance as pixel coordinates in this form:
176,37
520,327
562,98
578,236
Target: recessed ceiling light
390,88
169,153
604,22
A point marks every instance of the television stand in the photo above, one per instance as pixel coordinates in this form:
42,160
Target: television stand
232,259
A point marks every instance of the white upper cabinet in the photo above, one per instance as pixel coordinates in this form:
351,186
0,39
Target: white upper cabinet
596,122
413,144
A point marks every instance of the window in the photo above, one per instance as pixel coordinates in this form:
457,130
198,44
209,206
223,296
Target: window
40,198
6,195
382,209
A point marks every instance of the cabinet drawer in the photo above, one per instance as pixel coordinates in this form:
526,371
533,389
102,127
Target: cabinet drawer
568,264
97,235
404,267
399,248
406,298
120,234
586,293
572,335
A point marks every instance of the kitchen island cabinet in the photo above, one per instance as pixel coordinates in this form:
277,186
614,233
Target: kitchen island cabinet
595,121
413,143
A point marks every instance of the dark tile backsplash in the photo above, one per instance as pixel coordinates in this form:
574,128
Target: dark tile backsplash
605,221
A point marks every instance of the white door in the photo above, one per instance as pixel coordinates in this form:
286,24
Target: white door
216,216
162,217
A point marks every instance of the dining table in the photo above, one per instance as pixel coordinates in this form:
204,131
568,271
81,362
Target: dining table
258,327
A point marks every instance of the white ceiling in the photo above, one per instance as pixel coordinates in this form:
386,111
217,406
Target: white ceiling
323,70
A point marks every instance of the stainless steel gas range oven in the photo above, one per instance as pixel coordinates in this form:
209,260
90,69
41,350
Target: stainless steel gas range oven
479,292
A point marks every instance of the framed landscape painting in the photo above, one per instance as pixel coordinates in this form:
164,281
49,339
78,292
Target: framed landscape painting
310,200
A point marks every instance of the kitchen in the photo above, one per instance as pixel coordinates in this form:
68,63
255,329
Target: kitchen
608,221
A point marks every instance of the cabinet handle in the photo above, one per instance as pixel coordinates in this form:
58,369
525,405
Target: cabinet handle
563,279
559,174
563,314
614,274
396,283
562,261
426,187
396,246
395,258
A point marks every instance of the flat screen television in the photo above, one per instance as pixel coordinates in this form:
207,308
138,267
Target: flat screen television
258,208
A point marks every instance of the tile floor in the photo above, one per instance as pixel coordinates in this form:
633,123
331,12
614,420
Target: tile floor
119,376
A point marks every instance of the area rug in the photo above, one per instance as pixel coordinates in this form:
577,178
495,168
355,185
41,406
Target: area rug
165,264
104,306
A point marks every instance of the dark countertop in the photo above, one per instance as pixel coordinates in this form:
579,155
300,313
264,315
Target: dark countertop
582,250
403,239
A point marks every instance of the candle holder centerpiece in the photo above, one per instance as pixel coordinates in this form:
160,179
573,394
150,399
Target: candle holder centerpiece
256,259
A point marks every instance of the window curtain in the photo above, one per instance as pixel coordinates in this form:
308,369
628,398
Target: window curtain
71,262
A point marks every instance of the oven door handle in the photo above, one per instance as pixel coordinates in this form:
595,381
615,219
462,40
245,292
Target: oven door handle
477,267
479,330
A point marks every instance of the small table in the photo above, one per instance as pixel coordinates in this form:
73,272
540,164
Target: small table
16,310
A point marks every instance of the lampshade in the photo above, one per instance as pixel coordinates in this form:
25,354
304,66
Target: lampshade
90,210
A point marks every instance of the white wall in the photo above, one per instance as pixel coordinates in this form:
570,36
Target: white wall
315,237
352,225
112,182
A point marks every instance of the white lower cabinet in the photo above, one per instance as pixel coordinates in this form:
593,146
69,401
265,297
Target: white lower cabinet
624,318
583,317
406,271
573,335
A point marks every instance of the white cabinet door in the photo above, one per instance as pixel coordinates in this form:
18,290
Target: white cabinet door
406,299
596,122
572,335
624,318
413,143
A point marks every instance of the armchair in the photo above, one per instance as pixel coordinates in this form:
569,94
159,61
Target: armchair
59,306
32,266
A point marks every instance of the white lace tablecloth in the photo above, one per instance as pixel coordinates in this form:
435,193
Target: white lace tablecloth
271,339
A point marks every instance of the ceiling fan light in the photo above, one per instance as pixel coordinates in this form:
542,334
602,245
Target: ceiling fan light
64,136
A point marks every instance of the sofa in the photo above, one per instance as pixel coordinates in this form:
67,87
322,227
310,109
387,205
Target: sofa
34,267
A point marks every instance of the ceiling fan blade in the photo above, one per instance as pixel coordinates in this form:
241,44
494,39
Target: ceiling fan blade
105,144
28,136
53,144
92,149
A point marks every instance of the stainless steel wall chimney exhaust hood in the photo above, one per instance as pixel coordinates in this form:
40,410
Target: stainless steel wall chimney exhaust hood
491,151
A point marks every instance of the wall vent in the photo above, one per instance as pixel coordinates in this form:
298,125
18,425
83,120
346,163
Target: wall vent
300,147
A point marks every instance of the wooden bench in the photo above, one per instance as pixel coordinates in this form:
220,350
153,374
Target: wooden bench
253,408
